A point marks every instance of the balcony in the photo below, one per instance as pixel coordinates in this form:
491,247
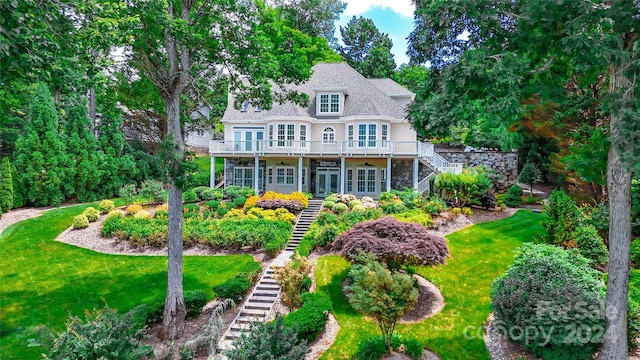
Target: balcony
345,148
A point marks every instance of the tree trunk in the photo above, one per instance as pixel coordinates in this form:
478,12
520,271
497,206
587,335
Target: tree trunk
619,183
174,308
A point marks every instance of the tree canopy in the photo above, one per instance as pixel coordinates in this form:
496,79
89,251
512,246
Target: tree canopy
366,49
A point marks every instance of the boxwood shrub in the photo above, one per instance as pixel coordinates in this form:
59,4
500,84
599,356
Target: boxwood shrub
190,196
309,320
80,222
105,206
91,213
555,298
232,288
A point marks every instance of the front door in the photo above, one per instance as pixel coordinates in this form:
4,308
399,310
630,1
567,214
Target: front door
326,181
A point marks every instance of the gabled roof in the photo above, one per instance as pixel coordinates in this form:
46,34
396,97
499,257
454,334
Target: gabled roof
363,96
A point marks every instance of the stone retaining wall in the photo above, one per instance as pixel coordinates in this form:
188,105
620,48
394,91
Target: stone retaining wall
504,164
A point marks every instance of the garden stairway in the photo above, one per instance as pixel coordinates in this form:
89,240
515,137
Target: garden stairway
428,156
260,302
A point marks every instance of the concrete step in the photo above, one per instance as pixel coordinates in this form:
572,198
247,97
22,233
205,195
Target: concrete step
257,306
241,320
267,293
261,299
253,312
267,287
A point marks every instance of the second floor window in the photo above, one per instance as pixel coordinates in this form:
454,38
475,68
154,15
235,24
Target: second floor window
329,103
328,135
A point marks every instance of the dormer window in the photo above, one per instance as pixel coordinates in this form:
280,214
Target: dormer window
329,103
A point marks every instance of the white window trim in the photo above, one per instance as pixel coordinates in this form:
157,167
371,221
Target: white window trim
366,180
286,177
329,95
332,132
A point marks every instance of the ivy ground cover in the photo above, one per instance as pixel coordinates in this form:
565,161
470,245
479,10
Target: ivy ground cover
43,281
478,255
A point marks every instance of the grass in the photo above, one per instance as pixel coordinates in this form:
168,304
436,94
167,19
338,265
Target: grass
204,162
478,255
43,281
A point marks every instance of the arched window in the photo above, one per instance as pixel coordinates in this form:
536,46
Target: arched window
328,135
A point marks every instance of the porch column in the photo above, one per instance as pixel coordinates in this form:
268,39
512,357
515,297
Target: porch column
212,172
256,170
343,174
416,167
300,174
388,184
224,172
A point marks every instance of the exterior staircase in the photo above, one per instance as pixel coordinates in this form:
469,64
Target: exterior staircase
429,157
261,300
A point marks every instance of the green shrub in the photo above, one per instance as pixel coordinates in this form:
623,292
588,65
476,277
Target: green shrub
374,347
327,236
555,292
359,209
513,197
464,188
415,216
591,245
133,209
309,320
106,206
190,196
563,218
142,214
199,190
211,194
393,207
194,300
112,223
353,203
190,208
91,213
516,190
435,205
153,191
340,208
232,288
239,201
128,193
635,252
161,214
232,192
222,209
272,248
328,204
272,341
80,222
103,335
212,204
6,186
466,211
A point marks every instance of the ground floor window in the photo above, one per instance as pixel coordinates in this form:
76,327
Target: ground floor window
243,176
349,180
383,179
366,181
285,175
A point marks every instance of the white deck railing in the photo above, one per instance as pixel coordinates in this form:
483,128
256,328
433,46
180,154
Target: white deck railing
302,148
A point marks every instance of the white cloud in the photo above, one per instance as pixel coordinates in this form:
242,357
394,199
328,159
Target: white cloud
357,7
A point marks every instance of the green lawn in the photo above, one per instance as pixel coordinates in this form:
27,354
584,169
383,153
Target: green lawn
42,281
478,255
204,162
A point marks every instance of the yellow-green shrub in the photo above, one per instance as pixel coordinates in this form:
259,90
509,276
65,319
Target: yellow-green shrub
251,202
415,216
91,213
286,216
295,196
466,211
80,222
106,206
163,207
234,214
132,209
142,214
456,211
116,212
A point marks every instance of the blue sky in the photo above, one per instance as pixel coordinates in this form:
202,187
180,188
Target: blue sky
392,17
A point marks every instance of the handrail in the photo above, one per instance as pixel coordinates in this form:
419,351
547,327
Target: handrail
424,184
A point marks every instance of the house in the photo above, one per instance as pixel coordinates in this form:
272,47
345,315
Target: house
352,138
197,136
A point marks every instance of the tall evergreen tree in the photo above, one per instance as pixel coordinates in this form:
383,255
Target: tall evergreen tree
39,155
366,49
313,17
6,186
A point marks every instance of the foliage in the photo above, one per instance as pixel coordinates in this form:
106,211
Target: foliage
142,214
340,208
374,347
558,293
414,216
590,245
435,206
6,186
106,206
313,17
80,222
194,300
40,158
466,211
635,252
91,213
531,175
209,336
291,278
464,188
128,193
273,340
300,197
291,205
393,242
190,196
153,191
133,209
239,201
563,219
103,335
514,196
381,294
232,288
309,320
366,49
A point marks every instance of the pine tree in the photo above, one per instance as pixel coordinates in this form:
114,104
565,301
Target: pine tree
39,155
6,186
530,175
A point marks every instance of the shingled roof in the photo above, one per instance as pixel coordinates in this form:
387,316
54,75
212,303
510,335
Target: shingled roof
365,97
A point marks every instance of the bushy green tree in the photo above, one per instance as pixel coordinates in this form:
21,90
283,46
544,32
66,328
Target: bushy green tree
590,245
464,188
563,219
6,186
366,49
530,175
40,158
381,294
273,341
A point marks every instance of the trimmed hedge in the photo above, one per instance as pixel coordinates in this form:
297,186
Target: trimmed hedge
91,213
80,222
292,205
309,320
